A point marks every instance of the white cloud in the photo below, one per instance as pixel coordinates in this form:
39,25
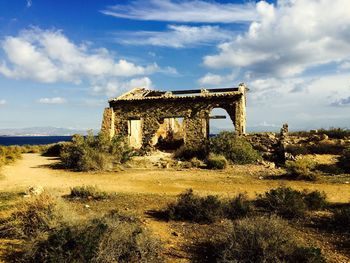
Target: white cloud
114,88
29,3
290,37
183,11
2,102
177,36
48,56
215,79
344,65
55,100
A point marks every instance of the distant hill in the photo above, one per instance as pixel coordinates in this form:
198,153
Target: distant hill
42,131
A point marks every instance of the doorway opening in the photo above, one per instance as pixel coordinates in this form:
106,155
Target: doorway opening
219,120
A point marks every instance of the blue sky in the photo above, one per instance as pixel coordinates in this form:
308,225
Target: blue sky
60,61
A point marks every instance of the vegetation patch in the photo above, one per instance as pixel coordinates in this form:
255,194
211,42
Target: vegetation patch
238,207
341,219
88,192
236,149
260,239
186,153
92,153
216,162
290,203
301,169
344,160
112,238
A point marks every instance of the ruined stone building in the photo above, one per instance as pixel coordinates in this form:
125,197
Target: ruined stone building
144,115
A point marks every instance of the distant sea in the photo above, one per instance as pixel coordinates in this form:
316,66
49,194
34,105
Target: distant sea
32,140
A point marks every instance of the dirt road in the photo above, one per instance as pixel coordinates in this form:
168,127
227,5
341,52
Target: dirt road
34,169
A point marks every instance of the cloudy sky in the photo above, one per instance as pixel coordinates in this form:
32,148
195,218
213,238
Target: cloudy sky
60,61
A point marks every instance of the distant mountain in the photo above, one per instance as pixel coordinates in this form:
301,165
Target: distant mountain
42,131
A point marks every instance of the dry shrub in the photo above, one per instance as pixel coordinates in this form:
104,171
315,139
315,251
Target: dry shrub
192,207
301,169
112,238
344,160
260,239
290,203
341,219
238,207
31,218
9,154
88,192
234,148
186,153
216,162
92,153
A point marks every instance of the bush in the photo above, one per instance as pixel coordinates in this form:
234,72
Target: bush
284,201
195,208
54,150
301,169
261,239
238,207
315,200
88,192
186,153
341,219
344,160
31,218
94,153
9,154
336,133
234,148
216,162
290,203
326,147
112,238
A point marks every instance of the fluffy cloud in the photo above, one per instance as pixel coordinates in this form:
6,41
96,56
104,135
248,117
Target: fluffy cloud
114,88
289,38
2,102
48,56
55,100
215,79
177,36
183,11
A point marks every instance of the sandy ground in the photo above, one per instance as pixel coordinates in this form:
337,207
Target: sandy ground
34,170
145,189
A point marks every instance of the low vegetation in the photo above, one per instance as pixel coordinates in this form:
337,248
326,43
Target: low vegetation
341,219
235,149
9,154
92,153
290,203
301,169
88,192
216,162
260,239
50,234
344,160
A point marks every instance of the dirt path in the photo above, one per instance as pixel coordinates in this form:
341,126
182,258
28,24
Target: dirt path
34,169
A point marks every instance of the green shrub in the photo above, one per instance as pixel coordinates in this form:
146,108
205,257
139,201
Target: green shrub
325,147
94,153
344,160
195,162
234,148
112,238
301,169
216,161
284,201
290,203
53,150
260,240
315,200
88,192
341,219
31,218
238,207
195,208
186,153
9,154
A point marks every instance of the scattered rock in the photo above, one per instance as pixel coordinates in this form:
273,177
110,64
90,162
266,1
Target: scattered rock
175,234
86,206
34,190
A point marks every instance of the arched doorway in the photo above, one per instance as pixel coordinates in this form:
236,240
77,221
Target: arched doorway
219,120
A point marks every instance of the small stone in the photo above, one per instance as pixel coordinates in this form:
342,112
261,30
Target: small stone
175,234
35,190
86,206
346,182
261,177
